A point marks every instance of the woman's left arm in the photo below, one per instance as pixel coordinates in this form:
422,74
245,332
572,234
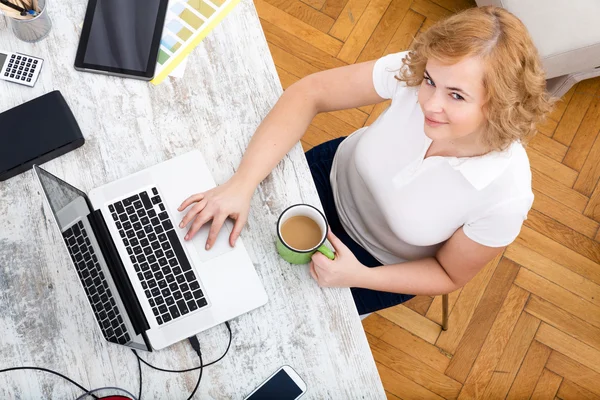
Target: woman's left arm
455,264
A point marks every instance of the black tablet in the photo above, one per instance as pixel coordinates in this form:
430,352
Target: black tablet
121,37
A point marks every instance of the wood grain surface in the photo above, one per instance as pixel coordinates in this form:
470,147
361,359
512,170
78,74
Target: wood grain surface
229,86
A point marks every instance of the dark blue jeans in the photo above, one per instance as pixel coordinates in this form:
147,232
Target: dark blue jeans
320,159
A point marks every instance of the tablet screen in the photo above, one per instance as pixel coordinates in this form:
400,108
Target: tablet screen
121,35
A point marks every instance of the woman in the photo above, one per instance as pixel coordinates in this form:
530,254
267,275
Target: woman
436,187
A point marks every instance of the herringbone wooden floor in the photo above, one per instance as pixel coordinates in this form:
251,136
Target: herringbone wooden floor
528,325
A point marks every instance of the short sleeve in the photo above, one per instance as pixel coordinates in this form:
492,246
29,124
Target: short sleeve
501,225
384,74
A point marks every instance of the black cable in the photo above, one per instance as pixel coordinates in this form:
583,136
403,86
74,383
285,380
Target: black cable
196,346
140,371
52,372
189,369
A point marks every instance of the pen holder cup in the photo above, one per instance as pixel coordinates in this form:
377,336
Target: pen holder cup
33,29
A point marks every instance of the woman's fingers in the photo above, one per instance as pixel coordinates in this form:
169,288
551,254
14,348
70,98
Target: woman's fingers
191,214
237,228
192,199
216,226
200,220
313,273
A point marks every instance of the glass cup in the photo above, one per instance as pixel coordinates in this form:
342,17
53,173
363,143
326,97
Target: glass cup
33,29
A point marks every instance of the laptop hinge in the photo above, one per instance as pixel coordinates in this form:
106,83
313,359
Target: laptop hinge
120,278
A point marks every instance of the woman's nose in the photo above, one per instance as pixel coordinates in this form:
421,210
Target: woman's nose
434,103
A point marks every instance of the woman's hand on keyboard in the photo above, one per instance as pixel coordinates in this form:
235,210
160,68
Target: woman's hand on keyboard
232,199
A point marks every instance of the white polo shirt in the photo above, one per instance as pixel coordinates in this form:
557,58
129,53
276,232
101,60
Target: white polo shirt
399,206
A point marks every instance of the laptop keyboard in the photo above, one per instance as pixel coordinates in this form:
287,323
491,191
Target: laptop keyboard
162,267
95,284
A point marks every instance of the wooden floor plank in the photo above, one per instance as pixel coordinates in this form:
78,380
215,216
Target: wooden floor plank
352,116
332,125
548,147
464,309
570,218
573,371
299,48
412,322
430,10
547,386
401,339
561,105
558,296
387,27
547,127
585,136
403,387
286,78
571,391
559,192
513,355
290,63
333,8
554,272
298,28
566,322
365,26
598,236
413,369
316,4
590,172
505,323
559,253
348,18
455,5
305,13
482,321
578,106
529,372
559,341
564,235
552,168
315,136
406,32
420,304
593,208
390,396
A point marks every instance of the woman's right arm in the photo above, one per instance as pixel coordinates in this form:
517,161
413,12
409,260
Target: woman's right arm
335,89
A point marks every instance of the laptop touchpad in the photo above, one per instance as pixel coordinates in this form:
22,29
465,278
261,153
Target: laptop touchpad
220,247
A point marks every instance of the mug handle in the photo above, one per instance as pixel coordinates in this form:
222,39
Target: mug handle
326,251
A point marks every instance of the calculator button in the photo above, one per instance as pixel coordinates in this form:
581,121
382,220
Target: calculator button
28,64
12,75
6,74
26,69
28,79
31,75
9,64
35,61
13,56
18,57
23,77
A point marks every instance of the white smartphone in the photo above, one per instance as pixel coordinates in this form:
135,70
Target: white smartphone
284,384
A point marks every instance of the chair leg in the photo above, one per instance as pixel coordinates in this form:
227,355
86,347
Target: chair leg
445,312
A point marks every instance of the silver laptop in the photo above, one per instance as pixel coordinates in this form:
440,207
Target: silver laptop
148,288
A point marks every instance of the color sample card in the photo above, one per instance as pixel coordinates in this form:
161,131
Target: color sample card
186,24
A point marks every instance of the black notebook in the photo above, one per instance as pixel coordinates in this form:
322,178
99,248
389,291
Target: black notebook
35,132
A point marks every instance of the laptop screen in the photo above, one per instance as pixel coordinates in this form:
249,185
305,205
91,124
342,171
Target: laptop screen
59,194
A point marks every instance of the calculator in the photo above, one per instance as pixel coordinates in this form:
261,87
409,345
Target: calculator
19,68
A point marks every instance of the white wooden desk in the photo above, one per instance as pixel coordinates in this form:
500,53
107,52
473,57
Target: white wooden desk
230,84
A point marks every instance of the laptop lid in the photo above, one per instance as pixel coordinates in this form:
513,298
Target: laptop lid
99,269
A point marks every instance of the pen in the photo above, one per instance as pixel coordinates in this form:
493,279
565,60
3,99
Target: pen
14,7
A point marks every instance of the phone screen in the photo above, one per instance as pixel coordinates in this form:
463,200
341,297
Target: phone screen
279,387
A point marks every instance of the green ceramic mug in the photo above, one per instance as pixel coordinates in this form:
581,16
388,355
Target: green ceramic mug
302,256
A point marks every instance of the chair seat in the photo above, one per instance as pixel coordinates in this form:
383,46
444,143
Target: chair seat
566,33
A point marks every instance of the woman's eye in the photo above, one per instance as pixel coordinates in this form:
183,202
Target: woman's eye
429,81
457,96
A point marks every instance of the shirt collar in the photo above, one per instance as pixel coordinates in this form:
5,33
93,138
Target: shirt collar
482,170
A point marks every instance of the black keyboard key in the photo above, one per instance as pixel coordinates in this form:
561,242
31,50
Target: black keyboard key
72,241
162,237
155,311
165,292
133,259
140,234
148,274
188,296
192,305
182,307
190,276
161,206
156,200
173,286
160,300
159,253
144,285
155,245
170,278
109,332
152,283
134,218
159,229
169,300
146,200
159,320
158,275
111,315
144,242
123,217
137,226
162,261
144,220
174,311
126,242
169,254
166,317
137,250
151,213
129,210
165,246
152,303
155,221
154,191
184,287
166,270
119,207
129,250
147,251
180,279
155,292
194,286
111,208
127,225
162,284
148,229
145,266
130,234
76,230
155,267
163,216
137,204
202,302
162,308
141,258
102,315
134,241
176,270
177,295
141,213
115,216
151,259
104,298
167,225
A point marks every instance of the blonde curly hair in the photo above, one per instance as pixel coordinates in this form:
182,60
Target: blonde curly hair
516,97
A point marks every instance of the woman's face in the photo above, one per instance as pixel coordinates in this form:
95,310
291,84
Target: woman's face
451,98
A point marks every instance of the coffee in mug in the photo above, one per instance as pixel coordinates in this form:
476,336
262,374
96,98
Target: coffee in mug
301,232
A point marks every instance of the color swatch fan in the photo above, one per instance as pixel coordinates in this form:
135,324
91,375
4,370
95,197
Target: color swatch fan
187,23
